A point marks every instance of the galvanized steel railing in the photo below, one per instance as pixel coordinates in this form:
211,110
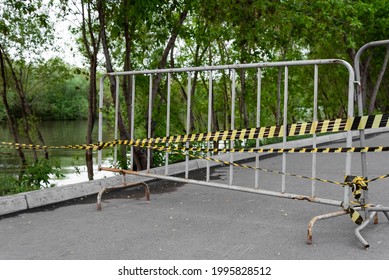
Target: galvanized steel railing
211,70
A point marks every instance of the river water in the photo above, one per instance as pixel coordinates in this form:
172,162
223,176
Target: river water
58,133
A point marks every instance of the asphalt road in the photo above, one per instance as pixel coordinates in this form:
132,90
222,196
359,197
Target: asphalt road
186,221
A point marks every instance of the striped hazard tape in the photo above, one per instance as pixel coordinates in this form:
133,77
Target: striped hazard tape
65,147
184,151
275,150
297,129
356,180
99,146
356,183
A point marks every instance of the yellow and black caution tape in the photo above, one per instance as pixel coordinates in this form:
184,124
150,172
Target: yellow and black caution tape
356,183
355,216
183,150
273,150
297,129
103,145
44,147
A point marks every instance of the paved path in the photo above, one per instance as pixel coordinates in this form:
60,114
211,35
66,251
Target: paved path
185,221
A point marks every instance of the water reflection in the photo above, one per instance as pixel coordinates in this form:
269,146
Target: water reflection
57,133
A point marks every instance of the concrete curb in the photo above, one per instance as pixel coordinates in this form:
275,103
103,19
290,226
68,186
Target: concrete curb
33,199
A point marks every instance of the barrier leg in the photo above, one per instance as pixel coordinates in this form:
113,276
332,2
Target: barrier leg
322,217
361,227
382,209
100,194
373,214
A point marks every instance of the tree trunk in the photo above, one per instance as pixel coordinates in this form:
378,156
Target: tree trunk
197,58
11,121
278,110
378,82
226,98
364,74
126,80
92,100
279,80
243,105
26,110
169,46
91,45
139,155
162,65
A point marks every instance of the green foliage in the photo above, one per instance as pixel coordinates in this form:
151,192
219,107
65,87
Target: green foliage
8,184
25,28
37,175
54,90
215,32
33,177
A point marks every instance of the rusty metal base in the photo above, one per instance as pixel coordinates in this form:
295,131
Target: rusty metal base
372,217
147,191
322,217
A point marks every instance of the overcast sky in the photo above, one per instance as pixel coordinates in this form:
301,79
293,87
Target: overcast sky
65,42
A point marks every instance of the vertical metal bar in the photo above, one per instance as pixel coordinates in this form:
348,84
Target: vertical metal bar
258,124
210,93
360,108
100,131
188,108
167,121
350,113
132,132
283,184
116,121
359,93
362,140
314,145
233,94
149,120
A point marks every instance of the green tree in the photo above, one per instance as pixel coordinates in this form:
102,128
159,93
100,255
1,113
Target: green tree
25,32
337,29
89,43
148,31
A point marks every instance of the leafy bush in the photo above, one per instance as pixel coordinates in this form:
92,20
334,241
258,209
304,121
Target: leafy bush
8,184
37,175
34,177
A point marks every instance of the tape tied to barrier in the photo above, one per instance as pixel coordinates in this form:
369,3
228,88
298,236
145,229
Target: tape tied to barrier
355,216
357,185
297,129
183,151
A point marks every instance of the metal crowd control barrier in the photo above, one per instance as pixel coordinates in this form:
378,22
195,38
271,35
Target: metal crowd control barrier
370,212
211,72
